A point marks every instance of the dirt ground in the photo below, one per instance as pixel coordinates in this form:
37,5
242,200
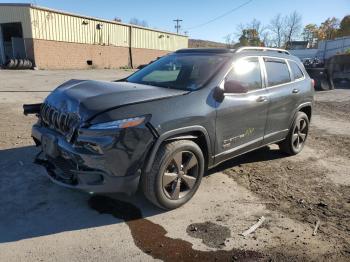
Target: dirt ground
40,221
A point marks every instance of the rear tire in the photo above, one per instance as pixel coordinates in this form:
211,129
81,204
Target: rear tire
296,138
175,176
325,85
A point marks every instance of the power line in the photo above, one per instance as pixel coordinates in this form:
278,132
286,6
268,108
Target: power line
221,16
177,26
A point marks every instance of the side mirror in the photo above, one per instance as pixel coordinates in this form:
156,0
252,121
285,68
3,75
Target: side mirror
234,87
218,94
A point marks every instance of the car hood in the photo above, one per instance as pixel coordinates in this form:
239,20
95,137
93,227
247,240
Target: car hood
88,98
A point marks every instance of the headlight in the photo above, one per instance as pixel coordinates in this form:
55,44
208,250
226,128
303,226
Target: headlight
124,123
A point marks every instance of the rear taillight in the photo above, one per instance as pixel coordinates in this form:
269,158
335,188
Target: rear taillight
313,83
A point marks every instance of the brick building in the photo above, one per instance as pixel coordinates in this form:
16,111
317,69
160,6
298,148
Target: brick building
54,39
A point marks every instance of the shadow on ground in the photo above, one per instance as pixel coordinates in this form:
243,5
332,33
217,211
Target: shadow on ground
260,155
32,206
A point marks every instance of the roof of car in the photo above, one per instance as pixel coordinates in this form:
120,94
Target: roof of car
250,50
205,50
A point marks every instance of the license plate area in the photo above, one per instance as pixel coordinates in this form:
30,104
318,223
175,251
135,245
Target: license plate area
49,145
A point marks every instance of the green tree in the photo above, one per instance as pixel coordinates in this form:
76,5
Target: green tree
328,29
344,28
252,33
250,37
310,34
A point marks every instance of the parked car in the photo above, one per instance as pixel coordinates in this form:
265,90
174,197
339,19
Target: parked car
161,128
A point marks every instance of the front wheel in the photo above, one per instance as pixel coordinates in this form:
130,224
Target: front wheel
175,175
295,141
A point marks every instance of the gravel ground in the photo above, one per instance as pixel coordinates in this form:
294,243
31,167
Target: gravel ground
40,221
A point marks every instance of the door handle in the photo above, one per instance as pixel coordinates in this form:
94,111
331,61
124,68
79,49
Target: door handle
261,99
295,91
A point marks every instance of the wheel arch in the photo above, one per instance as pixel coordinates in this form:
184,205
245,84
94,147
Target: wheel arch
307,109
304,107
198,134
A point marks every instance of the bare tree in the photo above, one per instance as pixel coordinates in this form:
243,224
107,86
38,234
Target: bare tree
292,27
239,29
277,27
229,41
136,21
262,31
280,31
265,38
257,26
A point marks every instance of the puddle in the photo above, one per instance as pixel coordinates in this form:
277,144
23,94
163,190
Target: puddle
212,235
152,240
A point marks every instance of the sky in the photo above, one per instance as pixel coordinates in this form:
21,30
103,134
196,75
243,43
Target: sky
194,13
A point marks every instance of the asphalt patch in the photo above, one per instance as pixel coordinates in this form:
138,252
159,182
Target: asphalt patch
212,235
152,240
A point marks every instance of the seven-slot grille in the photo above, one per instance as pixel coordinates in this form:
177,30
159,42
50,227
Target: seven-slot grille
60,121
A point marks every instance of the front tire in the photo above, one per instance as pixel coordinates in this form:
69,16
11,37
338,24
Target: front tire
175,175
295,141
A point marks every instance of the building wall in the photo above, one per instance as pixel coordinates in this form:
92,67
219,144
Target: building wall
142,56
64,55
47,25
17,14
330,48
55,26
59,40
13,14
143,38
77,39
304,53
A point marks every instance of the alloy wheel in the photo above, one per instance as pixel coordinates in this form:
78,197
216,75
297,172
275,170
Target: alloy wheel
180,175
299,134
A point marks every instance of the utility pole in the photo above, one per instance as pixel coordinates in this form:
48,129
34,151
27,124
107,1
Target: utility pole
177,26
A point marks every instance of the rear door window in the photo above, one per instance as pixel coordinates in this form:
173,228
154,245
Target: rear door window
277,72
296,71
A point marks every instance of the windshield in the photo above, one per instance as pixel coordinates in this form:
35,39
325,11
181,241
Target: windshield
180,71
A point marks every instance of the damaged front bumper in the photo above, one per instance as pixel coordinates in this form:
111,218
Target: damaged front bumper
98,163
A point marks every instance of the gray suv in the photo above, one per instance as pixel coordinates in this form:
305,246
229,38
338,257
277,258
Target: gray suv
161,128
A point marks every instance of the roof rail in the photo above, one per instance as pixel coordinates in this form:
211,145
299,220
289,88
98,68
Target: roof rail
255,48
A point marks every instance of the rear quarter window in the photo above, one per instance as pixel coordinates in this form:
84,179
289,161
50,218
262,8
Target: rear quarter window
277,71
296,71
